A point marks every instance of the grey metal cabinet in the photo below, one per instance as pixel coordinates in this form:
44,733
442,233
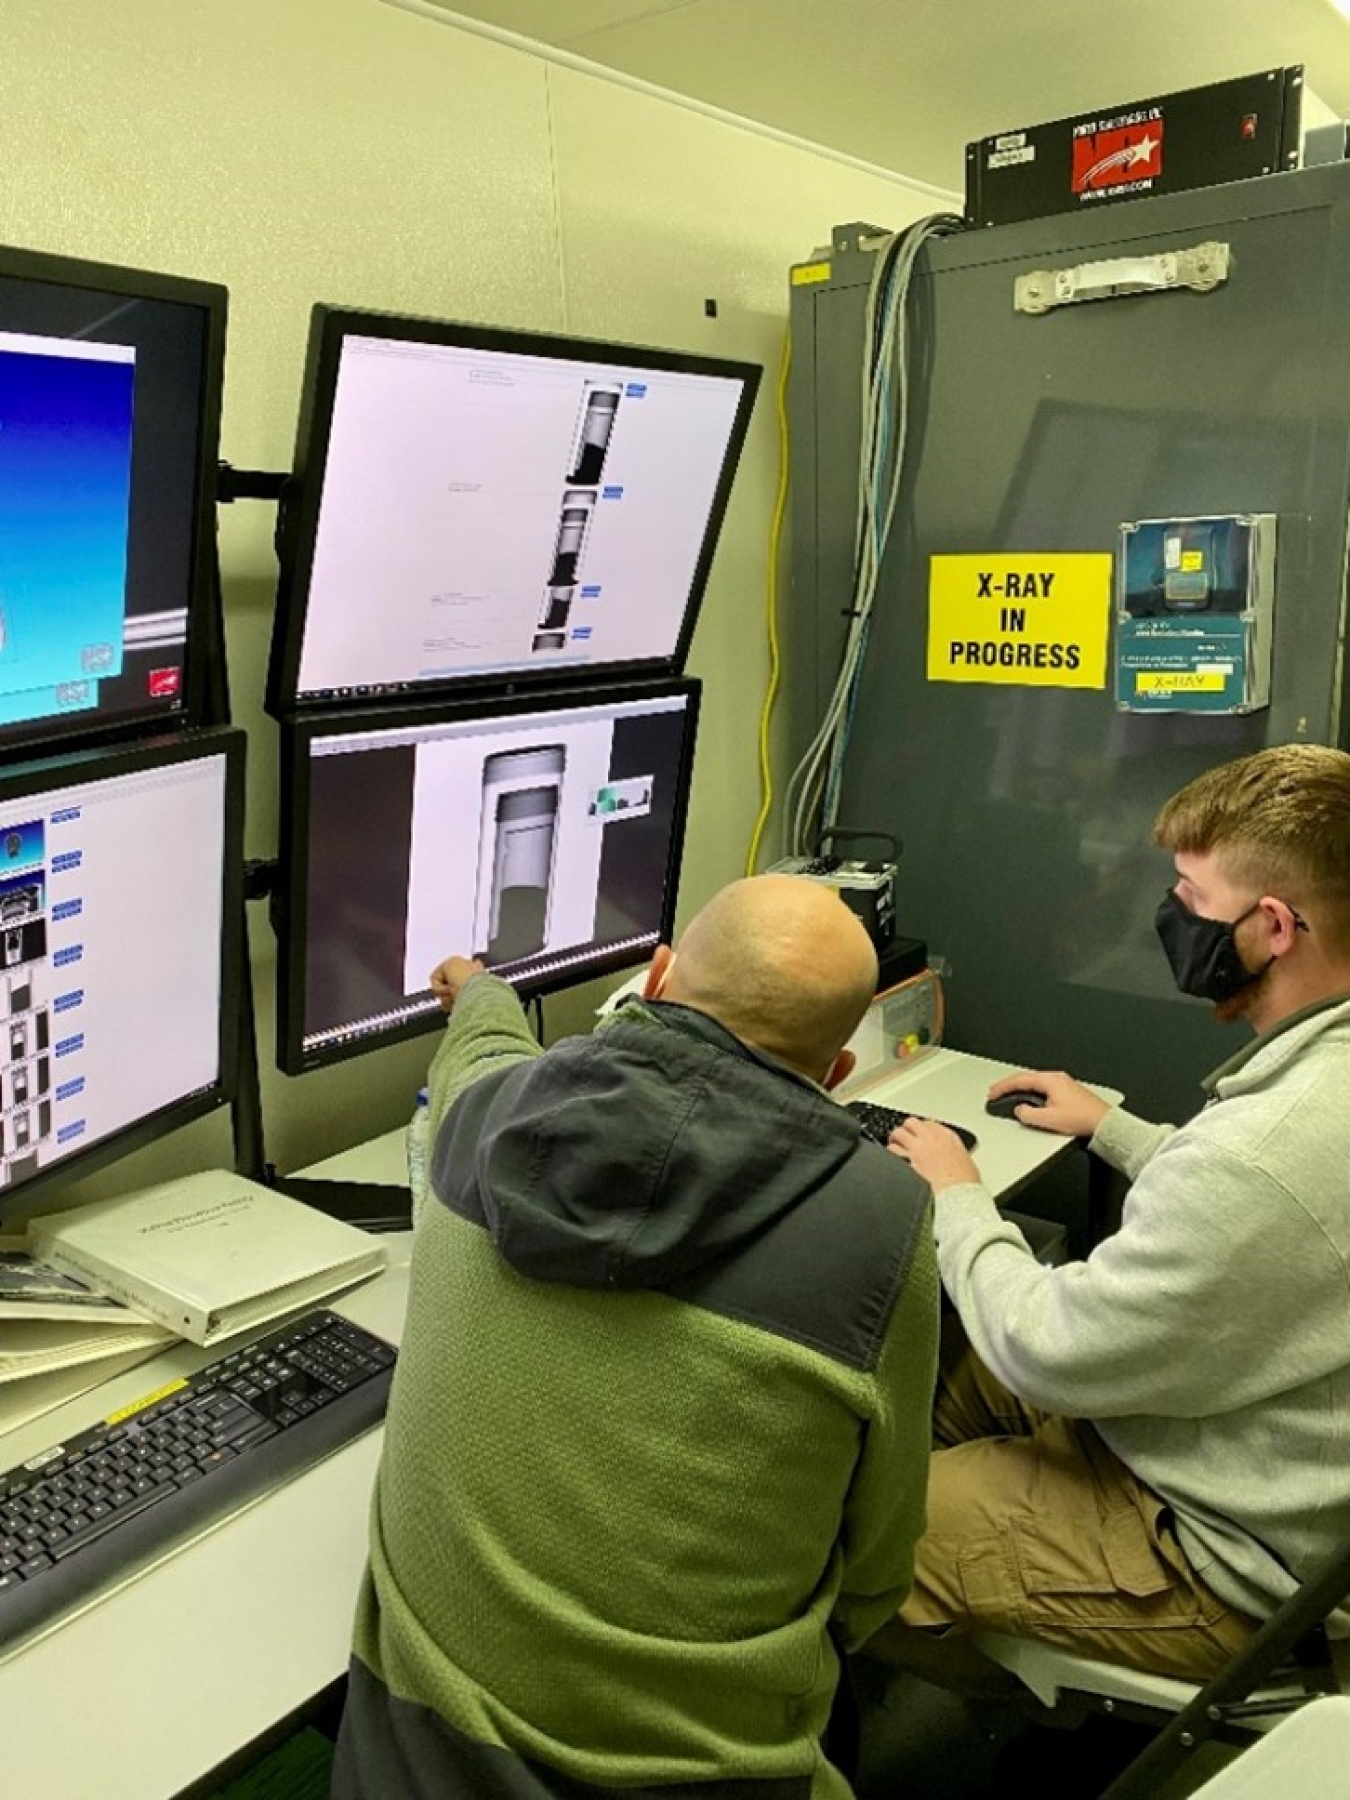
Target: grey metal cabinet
1025,811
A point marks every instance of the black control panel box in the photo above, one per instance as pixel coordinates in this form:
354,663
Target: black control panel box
866,888
1200,137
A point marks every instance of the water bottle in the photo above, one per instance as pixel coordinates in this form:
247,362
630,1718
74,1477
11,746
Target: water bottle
419,1148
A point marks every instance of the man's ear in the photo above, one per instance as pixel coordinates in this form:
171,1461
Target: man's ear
1285,923
659,972
840,1069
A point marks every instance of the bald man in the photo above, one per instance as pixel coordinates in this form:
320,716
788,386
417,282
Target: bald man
658,1442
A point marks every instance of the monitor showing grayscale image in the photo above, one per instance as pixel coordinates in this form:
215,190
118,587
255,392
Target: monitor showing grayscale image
542,837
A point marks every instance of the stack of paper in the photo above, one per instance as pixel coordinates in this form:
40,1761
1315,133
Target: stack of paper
50,1320
208,1255
92,1291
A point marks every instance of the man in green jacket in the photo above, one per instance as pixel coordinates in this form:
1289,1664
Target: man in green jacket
658,1441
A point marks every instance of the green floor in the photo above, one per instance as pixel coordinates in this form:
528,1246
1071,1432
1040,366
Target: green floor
299,1769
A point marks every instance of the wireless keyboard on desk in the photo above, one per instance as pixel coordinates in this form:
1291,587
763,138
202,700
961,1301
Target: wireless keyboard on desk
880,1121
78,1516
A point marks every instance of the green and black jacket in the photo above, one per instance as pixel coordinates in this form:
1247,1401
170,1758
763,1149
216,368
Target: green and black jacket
658,1437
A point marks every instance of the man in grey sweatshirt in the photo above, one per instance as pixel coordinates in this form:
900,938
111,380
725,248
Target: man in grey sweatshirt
1141,1454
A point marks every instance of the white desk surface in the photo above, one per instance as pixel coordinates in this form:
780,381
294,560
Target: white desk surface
952,1085
1303,1754
154,1685
941,1084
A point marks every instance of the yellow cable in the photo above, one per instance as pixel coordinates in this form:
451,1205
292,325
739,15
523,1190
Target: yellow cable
775,660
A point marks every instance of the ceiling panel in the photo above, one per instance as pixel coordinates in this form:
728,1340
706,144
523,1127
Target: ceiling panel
906,84
560,24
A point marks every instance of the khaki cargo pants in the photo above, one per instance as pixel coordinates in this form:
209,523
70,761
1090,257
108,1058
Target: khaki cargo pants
1035,1527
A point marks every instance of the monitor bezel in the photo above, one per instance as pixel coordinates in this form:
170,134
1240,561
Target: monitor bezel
330,326
20,781
290,893
204,698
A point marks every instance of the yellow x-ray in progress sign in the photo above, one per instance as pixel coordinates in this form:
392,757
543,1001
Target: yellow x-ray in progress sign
1020,619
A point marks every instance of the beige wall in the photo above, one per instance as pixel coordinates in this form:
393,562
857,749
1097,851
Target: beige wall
345,150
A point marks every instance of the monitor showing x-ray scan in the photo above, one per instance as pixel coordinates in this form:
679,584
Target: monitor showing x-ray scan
541,836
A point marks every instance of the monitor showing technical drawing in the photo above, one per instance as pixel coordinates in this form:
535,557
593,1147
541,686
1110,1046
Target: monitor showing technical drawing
473,508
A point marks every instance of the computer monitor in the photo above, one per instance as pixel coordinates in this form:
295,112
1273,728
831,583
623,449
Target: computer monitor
110,384
121,955
490,509
542,835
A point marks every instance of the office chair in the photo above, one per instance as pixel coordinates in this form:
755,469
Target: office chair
1289,1661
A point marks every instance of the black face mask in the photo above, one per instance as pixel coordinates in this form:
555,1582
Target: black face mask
1203,952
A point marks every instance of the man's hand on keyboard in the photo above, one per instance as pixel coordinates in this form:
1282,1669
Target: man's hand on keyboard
448,978
933,1151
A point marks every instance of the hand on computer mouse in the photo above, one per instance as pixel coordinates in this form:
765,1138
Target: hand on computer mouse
1052,1101
1004,1106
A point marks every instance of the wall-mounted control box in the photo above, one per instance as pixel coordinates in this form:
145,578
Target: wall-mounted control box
1194,611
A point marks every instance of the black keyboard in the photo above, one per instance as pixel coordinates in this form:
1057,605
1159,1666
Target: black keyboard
880,1121
83,1513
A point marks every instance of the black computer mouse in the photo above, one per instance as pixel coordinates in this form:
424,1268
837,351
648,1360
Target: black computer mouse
1004,1106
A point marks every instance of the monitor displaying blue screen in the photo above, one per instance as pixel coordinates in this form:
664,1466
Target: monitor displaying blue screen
65,502
109,418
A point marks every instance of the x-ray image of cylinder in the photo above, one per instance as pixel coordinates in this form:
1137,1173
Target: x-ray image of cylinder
522,790
572,529
598,407
557,604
